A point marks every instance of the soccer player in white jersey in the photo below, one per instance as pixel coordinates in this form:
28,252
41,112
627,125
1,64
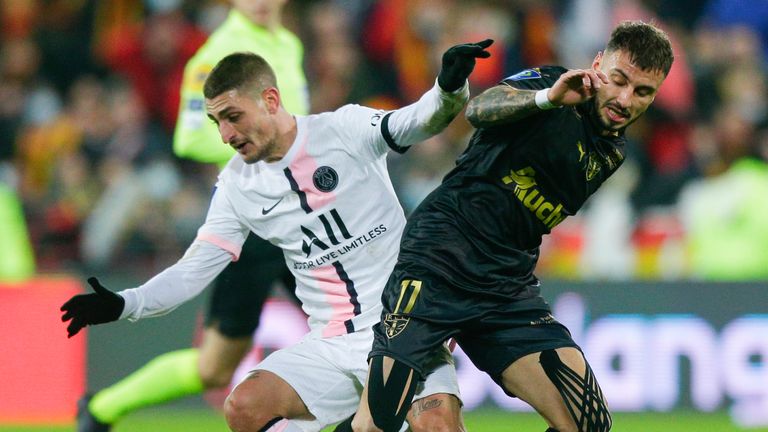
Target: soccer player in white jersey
316,186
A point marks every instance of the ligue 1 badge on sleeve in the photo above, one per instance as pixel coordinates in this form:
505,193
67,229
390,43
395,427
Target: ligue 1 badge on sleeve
325,179
525,75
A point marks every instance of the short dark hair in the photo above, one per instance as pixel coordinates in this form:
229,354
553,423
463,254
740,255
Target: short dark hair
648,46
239,71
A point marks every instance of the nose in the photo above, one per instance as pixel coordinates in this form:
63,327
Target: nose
227,132
625,97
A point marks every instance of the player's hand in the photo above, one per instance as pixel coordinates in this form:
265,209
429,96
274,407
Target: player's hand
86,309
458,63
576,86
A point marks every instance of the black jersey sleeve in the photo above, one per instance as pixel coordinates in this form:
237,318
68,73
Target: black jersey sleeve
535,78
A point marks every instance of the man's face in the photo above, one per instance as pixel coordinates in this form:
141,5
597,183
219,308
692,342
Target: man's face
629,92
260,11
246,123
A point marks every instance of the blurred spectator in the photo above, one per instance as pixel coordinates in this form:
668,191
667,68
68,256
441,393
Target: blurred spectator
152,55
681,14
64,37
81,127
58,160
26,98
139,183
726,240
752,14
72,133
18,18
584,28
400,31
333,59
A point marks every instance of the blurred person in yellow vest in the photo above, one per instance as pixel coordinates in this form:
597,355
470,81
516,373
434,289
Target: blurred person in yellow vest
17,261
724,213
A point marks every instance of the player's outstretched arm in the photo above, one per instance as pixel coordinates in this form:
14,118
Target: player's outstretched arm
167,290
101,306
435,110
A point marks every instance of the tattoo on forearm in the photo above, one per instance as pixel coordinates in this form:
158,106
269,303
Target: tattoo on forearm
425,404
499,105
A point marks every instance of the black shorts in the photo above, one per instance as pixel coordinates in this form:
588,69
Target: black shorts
422,310
239,292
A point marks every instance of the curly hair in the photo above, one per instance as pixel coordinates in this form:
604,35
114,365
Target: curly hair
648,46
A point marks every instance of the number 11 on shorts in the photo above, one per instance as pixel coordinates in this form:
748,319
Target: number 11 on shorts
404,286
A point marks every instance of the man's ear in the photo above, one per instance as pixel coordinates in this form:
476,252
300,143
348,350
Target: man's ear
598,59
271,97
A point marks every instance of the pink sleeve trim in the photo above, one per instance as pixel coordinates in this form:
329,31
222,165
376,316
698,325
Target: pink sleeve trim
227,245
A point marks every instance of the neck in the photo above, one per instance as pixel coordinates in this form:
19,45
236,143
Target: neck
286,133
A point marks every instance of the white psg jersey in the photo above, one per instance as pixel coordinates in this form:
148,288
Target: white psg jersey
328,204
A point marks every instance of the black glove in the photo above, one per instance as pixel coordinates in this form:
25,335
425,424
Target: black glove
458,63
86,309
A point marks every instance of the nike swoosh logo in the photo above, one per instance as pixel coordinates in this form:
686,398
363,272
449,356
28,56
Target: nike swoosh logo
266,211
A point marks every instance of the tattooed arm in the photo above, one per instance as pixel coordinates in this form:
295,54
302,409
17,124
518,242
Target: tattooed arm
504,103
500,104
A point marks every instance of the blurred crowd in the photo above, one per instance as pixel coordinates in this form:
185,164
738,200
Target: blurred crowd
89,94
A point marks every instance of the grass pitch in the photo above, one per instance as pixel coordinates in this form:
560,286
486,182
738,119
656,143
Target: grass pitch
484,420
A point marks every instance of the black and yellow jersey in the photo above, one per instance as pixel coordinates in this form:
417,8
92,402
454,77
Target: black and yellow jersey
482,227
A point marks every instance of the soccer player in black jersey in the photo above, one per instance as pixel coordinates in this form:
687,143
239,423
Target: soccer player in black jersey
546,139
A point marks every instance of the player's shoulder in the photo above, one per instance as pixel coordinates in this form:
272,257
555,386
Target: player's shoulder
348,117
291,38
205,57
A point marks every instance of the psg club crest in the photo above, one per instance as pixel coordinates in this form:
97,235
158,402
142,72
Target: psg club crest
394,324
325,179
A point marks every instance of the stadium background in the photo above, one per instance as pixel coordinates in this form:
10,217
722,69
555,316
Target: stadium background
662,278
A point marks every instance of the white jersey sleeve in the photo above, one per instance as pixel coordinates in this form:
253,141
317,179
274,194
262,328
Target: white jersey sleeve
178,283
223,226
218,242
372,132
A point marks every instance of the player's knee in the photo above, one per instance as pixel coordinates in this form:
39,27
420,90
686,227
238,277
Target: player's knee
245,413
439,413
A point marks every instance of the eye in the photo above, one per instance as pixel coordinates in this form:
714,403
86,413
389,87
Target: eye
643,92
233,117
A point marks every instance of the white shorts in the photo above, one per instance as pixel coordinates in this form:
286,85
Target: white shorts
329,375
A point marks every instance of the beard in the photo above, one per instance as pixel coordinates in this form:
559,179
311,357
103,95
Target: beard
606,124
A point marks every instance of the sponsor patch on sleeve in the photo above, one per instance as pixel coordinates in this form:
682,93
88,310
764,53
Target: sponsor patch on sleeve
199,74
195,104
524,75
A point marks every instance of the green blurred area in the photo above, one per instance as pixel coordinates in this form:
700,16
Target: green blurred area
484,420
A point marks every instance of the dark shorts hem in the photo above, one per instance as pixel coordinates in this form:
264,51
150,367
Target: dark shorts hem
496,375
398,358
